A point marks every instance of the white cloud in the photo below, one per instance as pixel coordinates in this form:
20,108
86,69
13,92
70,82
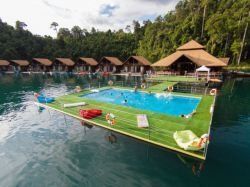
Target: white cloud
101,14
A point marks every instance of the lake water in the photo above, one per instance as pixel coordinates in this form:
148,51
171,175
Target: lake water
161,103
50,149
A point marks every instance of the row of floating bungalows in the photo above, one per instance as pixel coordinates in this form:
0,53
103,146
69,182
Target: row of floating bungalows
134,64
184,61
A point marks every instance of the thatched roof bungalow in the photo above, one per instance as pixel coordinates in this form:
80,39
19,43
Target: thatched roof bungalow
110,64
136,64
86,64
63,64
190,56
20,65
4,65
41,64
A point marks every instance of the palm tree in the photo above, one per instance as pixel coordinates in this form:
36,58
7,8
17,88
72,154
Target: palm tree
20,25
204,3
243,41
54,26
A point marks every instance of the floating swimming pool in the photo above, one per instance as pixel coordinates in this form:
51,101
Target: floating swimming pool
160,103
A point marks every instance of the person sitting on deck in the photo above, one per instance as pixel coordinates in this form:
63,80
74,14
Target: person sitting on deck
77,89
188,115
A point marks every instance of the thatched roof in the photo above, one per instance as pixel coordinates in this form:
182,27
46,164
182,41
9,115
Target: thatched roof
112,60
21,62
89,61
66,61
43,61
140,59
4,63
197,56
225,60
191,45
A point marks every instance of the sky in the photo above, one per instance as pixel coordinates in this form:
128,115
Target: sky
101,14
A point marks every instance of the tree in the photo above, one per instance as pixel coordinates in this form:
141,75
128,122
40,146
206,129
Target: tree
63,33
243,41
20,25
54,26
76,32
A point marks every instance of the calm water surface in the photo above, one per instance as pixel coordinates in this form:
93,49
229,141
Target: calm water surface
50,149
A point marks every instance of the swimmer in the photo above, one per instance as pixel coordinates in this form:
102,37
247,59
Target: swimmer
125,101
136,88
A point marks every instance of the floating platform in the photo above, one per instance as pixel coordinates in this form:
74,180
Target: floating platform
161,127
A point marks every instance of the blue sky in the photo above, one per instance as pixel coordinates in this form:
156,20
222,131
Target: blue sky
101,14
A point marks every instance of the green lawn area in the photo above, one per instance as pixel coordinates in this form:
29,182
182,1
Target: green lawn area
173,78
160,87
245,67
161,128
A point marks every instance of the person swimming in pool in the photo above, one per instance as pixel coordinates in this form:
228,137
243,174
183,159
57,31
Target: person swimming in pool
125,101
136,88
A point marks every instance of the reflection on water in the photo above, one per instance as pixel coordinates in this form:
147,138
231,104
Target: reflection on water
49,149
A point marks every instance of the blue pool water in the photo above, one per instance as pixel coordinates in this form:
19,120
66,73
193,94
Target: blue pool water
160,103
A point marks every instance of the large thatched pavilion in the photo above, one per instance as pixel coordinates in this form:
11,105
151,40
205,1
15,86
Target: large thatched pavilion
189,57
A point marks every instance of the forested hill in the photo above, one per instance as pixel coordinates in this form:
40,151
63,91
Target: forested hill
218,24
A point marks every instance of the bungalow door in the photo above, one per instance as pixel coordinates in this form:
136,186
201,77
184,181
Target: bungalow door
142,69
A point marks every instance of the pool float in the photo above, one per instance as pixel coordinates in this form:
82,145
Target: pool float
110,118
95,90
43,99
89,114
189,141
170,88
213,91
110,83
143,86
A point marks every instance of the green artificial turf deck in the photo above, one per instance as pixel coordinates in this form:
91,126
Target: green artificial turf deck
161,127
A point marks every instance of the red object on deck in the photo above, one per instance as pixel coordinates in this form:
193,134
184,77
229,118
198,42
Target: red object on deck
105,73
89,114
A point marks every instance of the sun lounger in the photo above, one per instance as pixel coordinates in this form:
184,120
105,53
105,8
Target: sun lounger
142,120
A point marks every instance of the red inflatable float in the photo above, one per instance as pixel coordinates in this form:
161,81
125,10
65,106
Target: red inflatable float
89,114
